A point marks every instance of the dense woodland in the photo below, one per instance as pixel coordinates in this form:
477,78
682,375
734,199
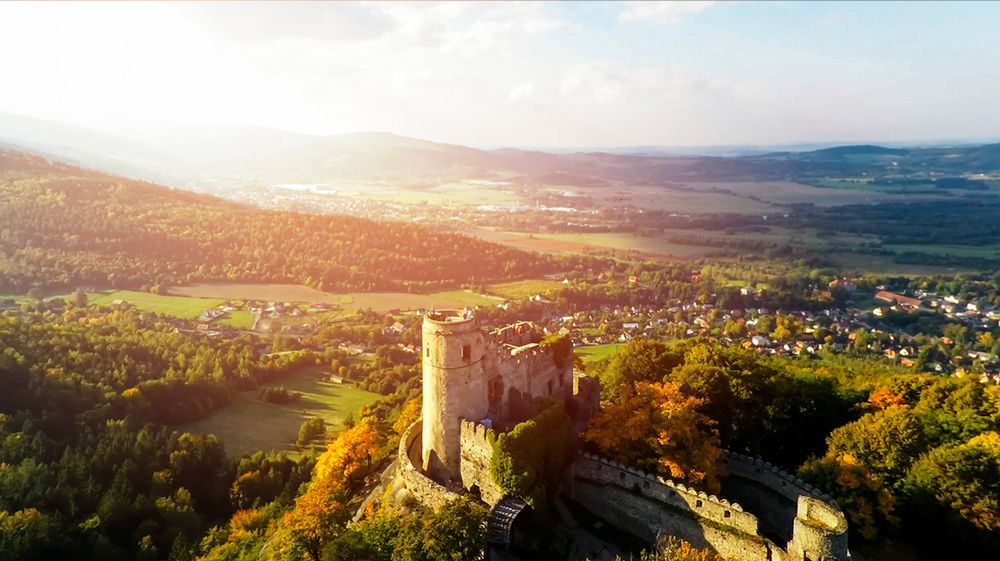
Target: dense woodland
910,457
62,227
91,466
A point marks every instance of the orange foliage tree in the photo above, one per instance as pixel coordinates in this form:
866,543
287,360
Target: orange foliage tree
659,428
884,398
322,512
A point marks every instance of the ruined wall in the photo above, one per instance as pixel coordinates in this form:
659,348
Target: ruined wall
769,491
523,373
647,505
425,490
477,452
791,510
820,532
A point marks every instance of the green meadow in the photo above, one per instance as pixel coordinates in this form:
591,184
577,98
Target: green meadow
248,424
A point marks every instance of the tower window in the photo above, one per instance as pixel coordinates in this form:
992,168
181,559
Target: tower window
466,352
428,351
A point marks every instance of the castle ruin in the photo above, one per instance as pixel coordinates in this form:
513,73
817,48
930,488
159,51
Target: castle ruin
477,381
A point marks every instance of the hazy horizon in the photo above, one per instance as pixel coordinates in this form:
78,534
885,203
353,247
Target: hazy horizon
543,76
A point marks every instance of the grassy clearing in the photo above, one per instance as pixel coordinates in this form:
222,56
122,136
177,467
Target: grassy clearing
175,306
982,251
519,290
597,352
378,301
384,301
883,264
247,424
239,319
258,291
467,297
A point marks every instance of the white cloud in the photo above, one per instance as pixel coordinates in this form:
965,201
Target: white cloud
521,92
661,13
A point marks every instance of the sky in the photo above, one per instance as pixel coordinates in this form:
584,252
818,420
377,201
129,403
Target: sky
516,74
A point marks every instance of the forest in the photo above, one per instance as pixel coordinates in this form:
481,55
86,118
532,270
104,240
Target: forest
63,227
910,457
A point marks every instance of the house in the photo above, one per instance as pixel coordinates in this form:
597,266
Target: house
844,283
903,301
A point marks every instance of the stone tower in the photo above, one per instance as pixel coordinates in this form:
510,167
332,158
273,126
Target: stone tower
454,386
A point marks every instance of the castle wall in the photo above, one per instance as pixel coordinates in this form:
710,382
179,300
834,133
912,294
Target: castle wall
476,456
820,532
521,374
769,491
647,505
425,490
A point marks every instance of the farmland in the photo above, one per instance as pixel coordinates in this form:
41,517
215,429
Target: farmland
520,290
258,291
174,306
670,243
249,424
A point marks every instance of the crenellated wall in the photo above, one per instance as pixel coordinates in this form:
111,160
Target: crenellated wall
647,505
477,452
521,374
424,489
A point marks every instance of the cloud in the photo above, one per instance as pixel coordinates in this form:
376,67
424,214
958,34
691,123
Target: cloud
289,20
521,92
598,81
661,13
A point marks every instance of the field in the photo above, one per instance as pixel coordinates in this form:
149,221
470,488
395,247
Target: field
175,306
378,301
248,424
882,264
520,290
597,352
698,198
258,291
383,301
668,244
981,251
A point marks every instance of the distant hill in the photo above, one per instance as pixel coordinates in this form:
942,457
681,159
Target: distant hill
221,156
66,227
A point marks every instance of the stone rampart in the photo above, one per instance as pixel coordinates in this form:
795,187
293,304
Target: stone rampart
648,505
771,492
425,490
678,495
477,453
808,520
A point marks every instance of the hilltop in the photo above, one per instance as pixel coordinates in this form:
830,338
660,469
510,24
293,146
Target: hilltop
64,227
230,155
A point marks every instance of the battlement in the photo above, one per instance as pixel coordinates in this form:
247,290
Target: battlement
472,430
678,495
516,334
775,478
451,316
423,488
647,505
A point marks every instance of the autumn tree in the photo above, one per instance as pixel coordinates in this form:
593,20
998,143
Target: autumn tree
454,532
868,504
962,480
659,428
639,360
886,442
322,512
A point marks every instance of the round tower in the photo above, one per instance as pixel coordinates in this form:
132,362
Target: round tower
454,388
